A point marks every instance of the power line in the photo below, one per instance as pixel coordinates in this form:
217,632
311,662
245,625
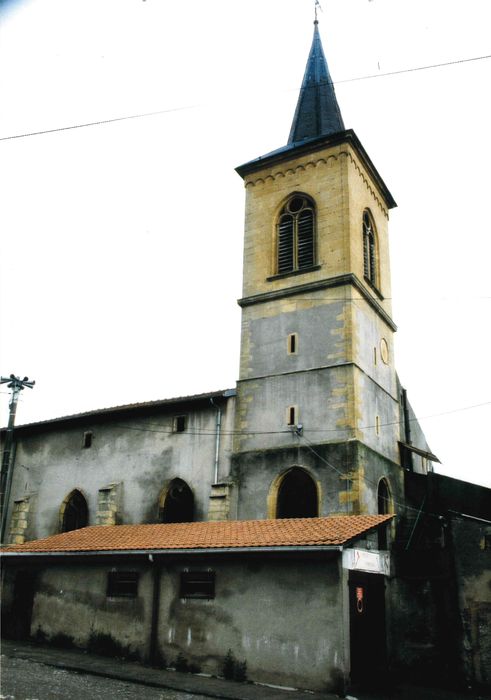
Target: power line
245,433
412,70
404,506
97,123
177,109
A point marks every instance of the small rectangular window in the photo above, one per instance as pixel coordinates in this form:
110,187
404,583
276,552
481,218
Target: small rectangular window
377,425
180,424
292,415
122,584
87,440
292,343
197,584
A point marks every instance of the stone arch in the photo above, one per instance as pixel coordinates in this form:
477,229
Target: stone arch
384,507
74,512
384,498
294,494
176,502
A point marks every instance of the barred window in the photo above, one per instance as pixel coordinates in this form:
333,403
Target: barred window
122,584
197,584
295,235
369,250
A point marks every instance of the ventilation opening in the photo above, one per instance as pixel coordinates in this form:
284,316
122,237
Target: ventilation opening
292,344
87,439
296,235
180,424
297,496
197,584
122,584
178,506
292,415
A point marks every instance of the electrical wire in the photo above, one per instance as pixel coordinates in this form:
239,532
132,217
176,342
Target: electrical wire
245,433
177,109
370,482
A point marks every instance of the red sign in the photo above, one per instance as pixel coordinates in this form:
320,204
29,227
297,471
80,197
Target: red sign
359,598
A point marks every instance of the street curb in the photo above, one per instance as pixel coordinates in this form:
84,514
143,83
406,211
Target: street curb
250,691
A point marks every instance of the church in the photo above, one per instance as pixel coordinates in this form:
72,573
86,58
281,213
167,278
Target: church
292,522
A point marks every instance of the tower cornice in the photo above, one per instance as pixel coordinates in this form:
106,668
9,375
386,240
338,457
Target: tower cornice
309,287
314,145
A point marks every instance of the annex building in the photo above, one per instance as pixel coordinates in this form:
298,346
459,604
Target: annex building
295,518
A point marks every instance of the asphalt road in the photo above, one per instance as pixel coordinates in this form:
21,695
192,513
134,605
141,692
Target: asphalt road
28,680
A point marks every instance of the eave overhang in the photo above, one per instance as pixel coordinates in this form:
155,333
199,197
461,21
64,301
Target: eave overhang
308,146
135,410
422,453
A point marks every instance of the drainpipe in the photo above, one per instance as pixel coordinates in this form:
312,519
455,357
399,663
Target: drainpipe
154,625
217,440
407,429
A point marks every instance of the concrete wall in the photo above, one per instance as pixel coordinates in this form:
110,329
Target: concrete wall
472,547
284,617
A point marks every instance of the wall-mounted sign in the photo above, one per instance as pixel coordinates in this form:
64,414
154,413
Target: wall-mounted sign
365,560
359,598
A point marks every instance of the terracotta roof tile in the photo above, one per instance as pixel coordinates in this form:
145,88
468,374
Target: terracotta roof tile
333,530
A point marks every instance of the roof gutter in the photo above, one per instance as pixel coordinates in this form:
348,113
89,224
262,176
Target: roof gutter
204,550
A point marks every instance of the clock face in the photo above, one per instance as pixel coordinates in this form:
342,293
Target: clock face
384,351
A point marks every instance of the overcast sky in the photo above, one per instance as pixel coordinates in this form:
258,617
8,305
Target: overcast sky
122,242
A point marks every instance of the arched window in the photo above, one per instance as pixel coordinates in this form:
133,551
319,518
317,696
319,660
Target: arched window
383,498
295,235
74,512
176,503
297,496
369,250
384,507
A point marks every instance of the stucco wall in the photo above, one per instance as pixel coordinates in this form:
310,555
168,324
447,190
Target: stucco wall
283,617
346,474
140,454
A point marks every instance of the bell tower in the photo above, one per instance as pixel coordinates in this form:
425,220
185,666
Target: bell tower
317,389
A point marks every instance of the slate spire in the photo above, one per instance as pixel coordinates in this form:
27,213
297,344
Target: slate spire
317,112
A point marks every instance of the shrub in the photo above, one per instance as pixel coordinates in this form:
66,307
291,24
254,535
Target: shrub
234,670
105,645
228,667
63,641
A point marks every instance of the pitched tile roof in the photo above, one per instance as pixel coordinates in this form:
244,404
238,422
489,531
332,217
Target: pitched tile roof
295,532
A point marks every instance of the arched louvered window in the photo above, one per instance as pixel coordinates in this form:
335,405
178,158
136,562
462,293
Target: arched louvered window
74,512
296,226
369,250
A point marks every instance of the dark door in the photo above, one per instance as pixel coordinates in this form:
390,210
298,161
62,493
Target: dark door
24,589
367,629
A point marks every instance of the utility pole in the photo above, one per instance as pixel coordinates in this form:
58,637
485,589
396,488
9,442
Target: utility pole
17,385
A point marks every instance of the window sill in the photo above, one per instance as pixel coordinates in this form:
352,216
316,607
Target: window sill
293,273
374,288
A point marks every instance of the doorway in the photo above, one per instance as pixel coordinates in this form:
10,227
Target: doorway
368,650
22,604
